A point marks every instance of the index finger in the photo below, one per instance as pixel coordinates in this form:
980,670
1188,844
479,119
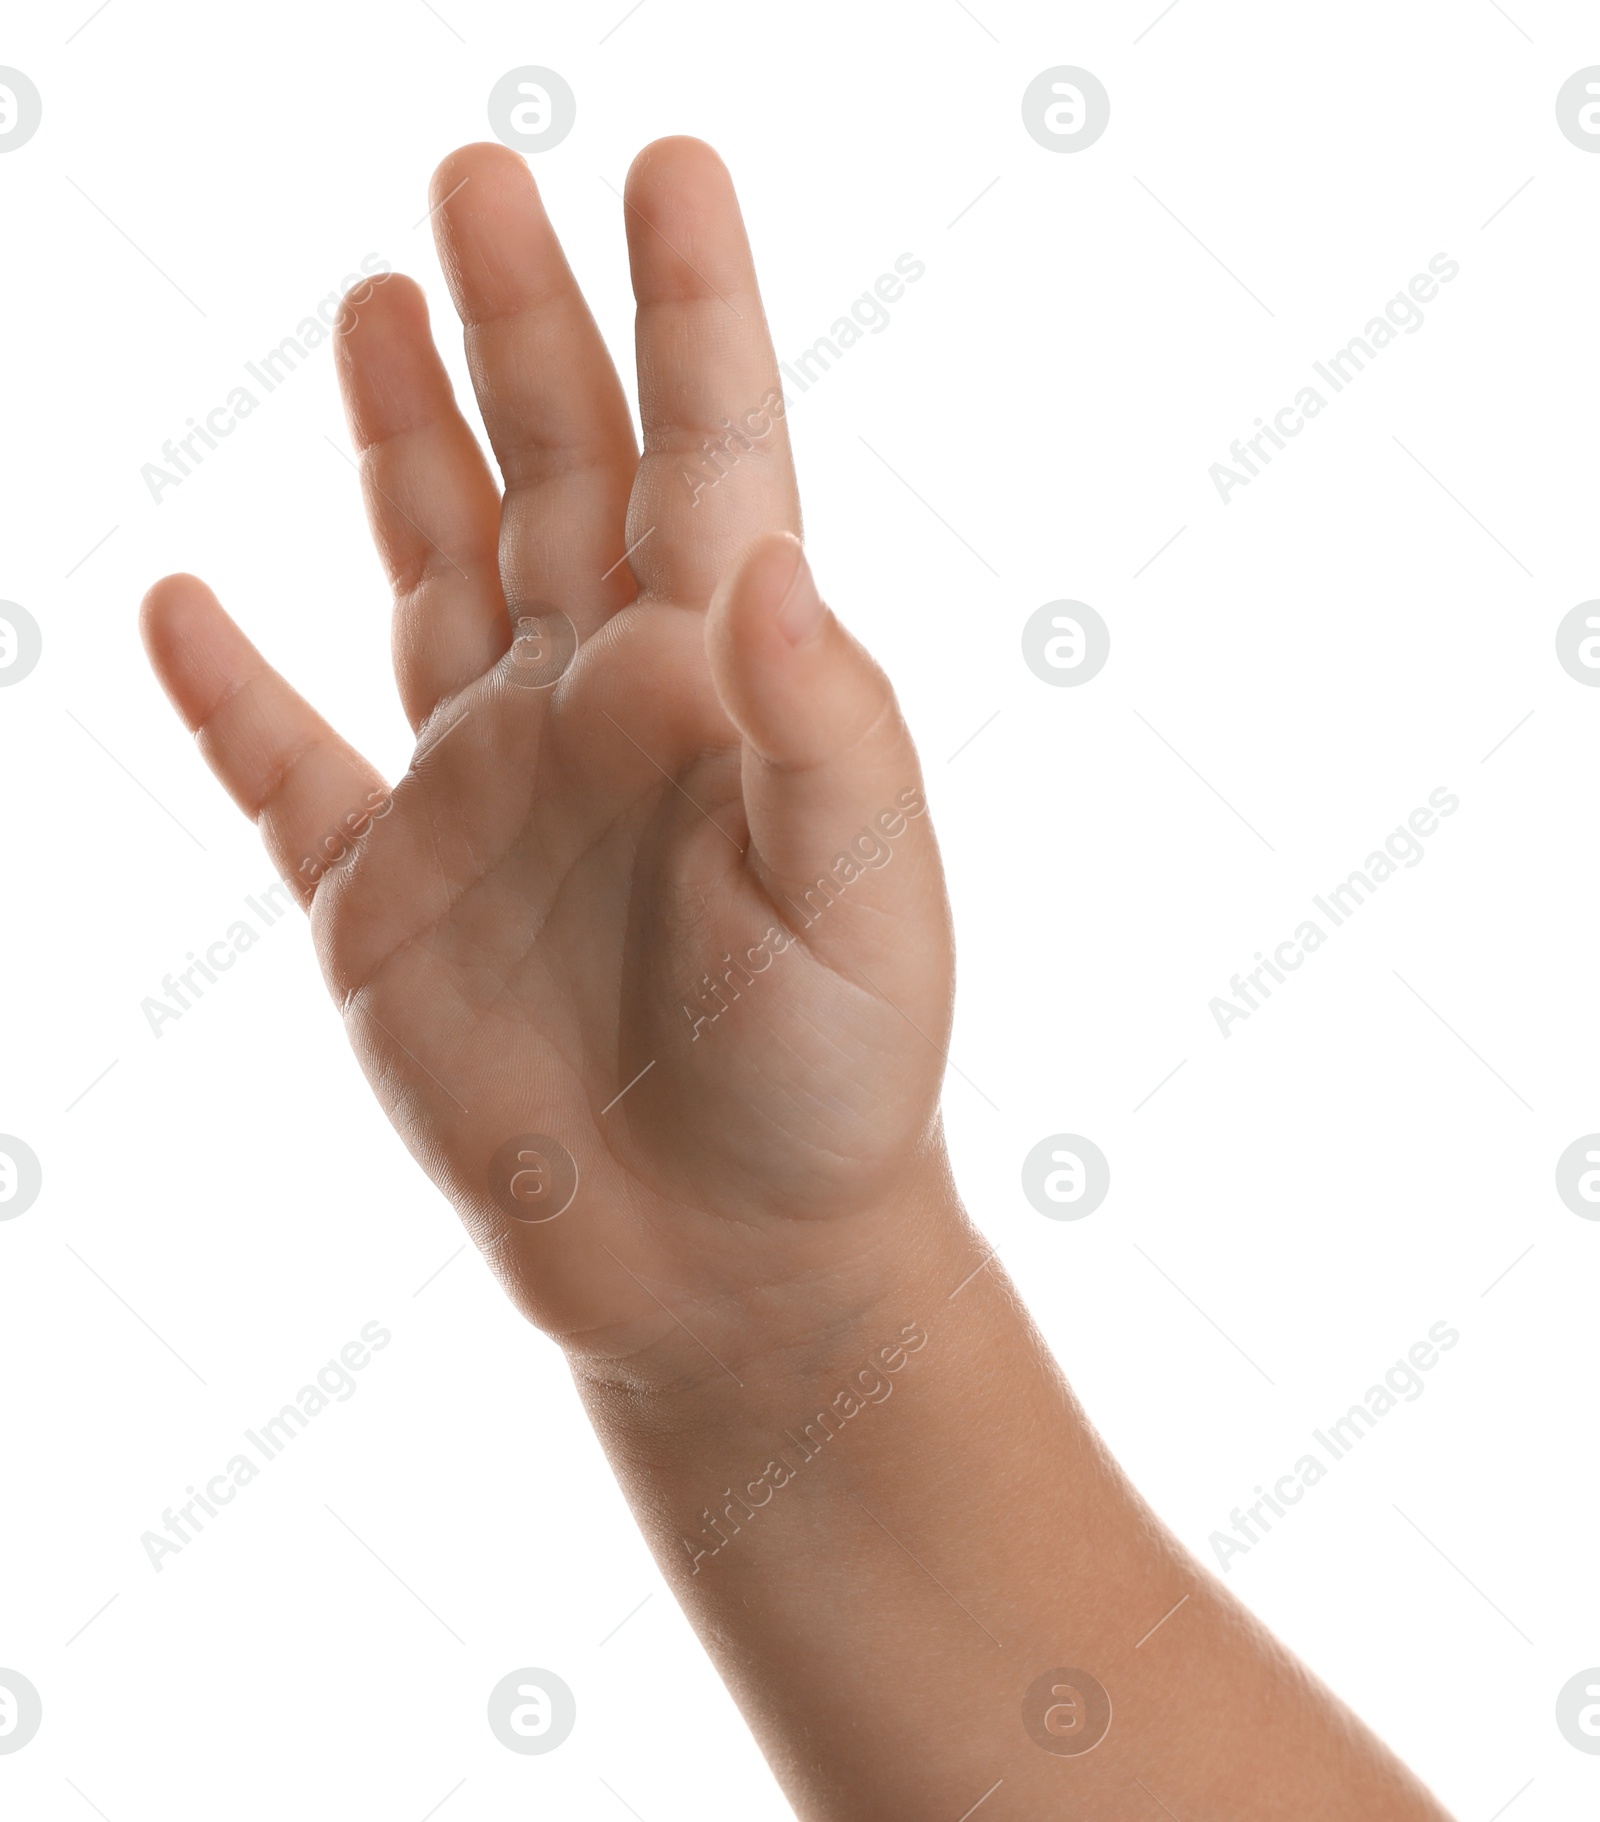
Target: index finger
717,470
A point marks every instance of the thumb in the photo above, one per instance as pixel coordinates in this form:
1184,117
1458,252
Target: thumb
832,788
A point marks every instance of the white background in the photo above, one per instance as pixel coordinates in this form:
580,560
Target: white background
1324,1184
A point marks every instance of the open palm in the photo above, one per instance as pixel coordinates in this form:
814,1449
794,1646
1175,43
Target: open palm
655,908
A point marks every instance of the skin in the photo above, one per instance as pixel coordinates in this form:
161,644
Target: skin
765,1226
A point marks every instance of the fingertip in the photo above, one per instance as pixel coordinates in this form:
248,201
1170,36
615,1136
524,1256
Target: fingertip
743,616
789,675
471,184
763,571
681,189
675,159
825,743
384,298
195,649
169,606
493,236
390,375
484,164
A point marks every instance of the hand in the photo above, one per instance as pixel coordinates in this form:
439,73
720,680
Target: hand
520,933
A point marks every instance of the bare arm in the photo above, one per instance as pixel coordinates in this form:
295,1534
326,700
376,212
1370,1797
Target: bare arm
648,958
929,1586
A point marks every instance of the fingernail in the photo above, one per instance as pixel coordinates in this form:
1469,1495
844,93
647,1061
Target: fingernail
801,610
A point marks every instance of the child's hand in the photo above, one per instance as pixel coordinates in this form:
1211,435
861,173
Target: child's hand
718,784
524,934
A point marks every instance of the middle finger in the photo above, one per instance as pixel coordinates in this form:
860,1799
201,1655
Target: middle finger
551,400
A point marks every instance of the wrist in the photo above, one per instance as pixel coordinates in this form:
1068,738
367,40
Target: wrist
844,1290
835,1420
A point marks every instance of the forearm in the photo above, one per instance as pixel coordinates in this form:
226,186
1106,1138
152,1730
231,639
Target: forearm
888,1533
